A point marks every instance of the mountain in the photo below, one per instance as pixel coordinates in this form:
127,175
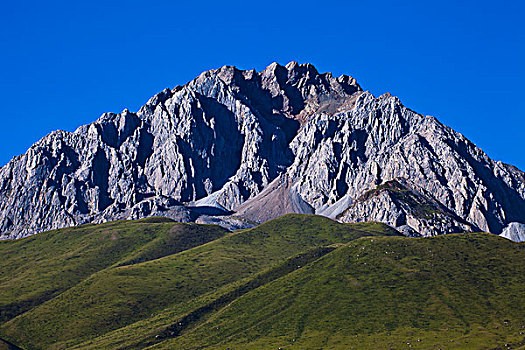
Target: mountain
239,147
299,281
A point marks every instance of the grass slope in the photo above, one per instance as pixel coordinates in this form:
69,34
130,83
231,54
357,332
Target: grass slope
39,268
448,292
139,285
300,281
173,322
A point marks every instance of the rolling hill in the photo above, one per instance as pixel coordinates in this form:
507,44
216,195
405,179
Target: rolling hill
299,281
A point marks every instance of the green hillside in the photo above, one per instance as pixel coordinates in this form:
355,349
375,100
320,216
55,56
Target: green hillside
131,284
448,292
39,268
300,281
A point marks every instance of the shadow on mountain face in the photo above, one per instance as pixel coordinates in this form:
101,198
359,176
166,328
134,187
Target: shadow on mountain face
195,212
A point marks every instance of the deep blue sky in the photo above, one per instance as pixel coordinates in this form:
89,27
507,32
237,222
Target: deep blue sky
62,64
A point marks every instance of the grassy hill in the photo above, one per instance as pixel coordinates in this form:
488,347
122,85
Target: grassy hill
40,268
300,281
463,292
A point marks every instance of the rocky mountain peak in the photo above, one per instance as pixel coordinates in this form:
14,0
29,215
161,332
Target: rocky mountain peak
236,147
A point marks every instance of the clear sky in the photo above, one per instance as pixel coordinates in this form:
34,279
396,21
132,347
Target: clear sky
62,64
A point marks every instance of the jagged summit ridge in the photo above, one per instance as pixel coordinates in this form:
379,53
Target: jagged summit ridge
257,145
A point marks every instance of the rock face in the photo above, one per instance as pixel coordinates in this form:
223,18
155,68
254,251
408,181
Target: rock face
239,147
409,210
515,232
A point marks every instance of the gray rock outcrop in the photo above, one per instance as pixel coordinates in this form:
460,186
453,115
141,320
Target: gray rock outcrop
241,147
515,232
